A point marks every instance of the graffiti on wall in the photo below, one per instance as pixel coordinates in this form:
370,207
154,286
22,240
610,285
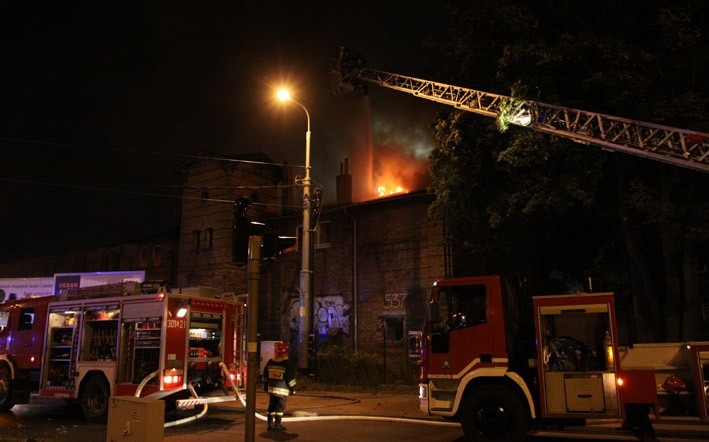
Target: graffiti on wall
330,314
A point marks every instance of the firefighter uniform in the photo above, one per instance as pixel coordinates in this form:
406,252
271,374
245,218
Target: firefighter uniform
279,383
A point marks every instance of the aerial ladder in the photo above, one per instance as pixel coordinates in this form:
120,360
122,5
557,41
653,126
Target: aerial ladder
680,147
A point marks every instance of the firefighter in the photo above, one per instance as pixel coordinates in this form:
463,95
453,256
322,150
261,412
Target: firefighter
279,383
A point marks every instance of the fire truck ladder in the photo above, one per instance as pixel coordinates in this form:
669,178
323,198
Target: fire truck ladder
685,148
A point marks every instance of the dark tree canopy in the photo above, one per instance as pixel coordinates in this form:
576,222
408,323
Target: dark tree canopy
555,212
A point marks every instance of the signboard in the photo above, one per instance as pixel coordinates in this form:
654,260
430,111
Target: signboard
19,288
64,281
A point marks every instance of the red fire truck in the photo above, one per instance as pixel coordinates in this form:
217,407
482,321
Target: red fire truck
123,339
481,365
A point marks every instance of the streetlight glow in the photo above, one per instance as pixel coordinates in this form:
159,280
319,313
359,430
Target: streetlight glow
283,94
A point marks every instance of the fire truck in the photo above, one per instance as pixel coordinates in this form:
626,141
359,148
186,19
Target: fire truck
183,346
491,367
480,363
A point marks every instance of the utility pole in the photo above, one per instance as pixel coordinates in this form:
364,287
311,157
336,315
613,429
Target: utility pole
253,271
306,273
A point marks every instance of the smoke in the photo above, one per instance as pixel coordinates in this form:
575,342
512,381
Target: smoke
388,146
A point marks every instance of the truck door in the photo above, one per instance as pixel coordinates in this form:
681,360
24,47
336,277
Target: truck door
462,335
4,327
27,330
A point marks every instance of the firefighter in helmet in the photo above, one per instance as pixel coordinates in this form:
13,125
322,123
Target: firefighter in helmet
279,383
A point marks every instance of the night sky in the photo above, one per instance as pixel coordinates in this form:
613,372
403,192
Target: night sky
111,95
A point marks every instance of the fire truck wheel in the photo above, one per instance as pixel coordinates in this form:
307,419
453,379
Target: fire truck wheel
6,399
493,413
94,399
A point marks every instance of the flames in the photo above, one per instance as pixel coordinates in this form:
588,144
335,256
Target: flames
394,162
390,190
396,172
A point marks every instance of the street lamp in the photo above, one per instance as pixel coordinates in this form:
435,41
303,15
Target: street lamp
305,322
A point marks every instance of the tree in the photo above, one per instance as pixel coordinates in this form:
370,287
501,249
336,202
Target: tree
529,203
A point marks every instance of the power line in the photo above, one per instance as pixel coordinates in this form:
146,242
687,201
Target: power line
134,151
131,192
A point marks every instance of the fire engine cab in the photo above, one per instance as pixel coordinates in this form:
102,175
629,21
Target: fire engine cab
182,346
497,367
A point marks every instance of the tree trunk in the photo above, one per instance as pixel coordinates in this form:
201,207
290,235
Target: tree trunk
692,318
672,256
646,307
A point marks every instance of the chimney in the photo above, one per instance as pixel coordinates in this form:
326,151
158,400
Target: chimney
344,185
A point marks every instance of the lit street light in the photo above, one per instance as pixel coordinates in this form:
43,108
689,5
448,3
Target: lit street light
304,324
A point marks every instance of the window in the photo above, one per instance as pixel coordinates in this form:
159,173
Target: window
209,238
26,319
4,319
157,256
394,329
467,305
195,239
323,234
143,258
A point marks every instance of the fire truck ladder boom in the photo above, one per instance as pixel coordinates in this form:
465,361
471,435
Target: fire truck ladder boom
685,148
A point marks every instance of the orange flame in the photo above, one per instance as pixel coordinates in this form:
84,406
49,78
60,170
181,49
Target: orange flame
390,190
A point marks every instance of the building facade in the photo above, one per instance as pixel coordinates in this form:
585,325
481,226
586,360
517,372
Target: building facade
373,261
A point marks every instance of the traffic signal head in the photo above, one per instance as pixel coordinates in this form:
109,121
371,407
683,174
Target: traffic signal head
243,228
274,245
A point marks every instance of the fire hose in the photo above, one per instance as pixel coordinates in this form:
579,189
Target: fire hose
242,399
192,391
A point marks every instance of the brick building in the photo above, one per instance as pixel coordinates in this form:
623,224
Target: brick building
373,264
373,261
210,189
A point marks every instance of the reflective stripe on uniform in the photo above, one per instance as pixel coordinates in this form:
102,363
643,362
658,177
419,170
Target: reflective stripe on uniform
278,391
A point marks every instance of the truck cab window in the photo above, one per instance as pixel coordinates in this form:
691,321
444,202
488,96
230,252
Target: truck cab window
26,319
468,306
4,319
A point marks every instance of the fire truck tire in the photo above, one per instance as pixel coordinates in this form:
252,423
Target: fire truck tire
94,399
494,413
6,397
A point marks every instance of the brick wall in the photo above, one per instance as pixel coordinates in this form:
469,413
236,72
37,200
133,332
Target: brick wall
399,254
207,216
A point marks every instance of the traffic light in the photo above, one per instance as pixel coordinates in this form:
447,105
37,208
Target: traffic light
274,245
241,230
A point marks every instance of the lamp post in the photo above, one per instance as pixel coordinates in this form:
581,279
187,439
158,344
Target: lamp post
305,322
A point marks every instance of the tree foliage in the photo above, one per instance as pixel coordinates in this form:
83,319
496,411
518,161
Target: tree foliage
532,204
